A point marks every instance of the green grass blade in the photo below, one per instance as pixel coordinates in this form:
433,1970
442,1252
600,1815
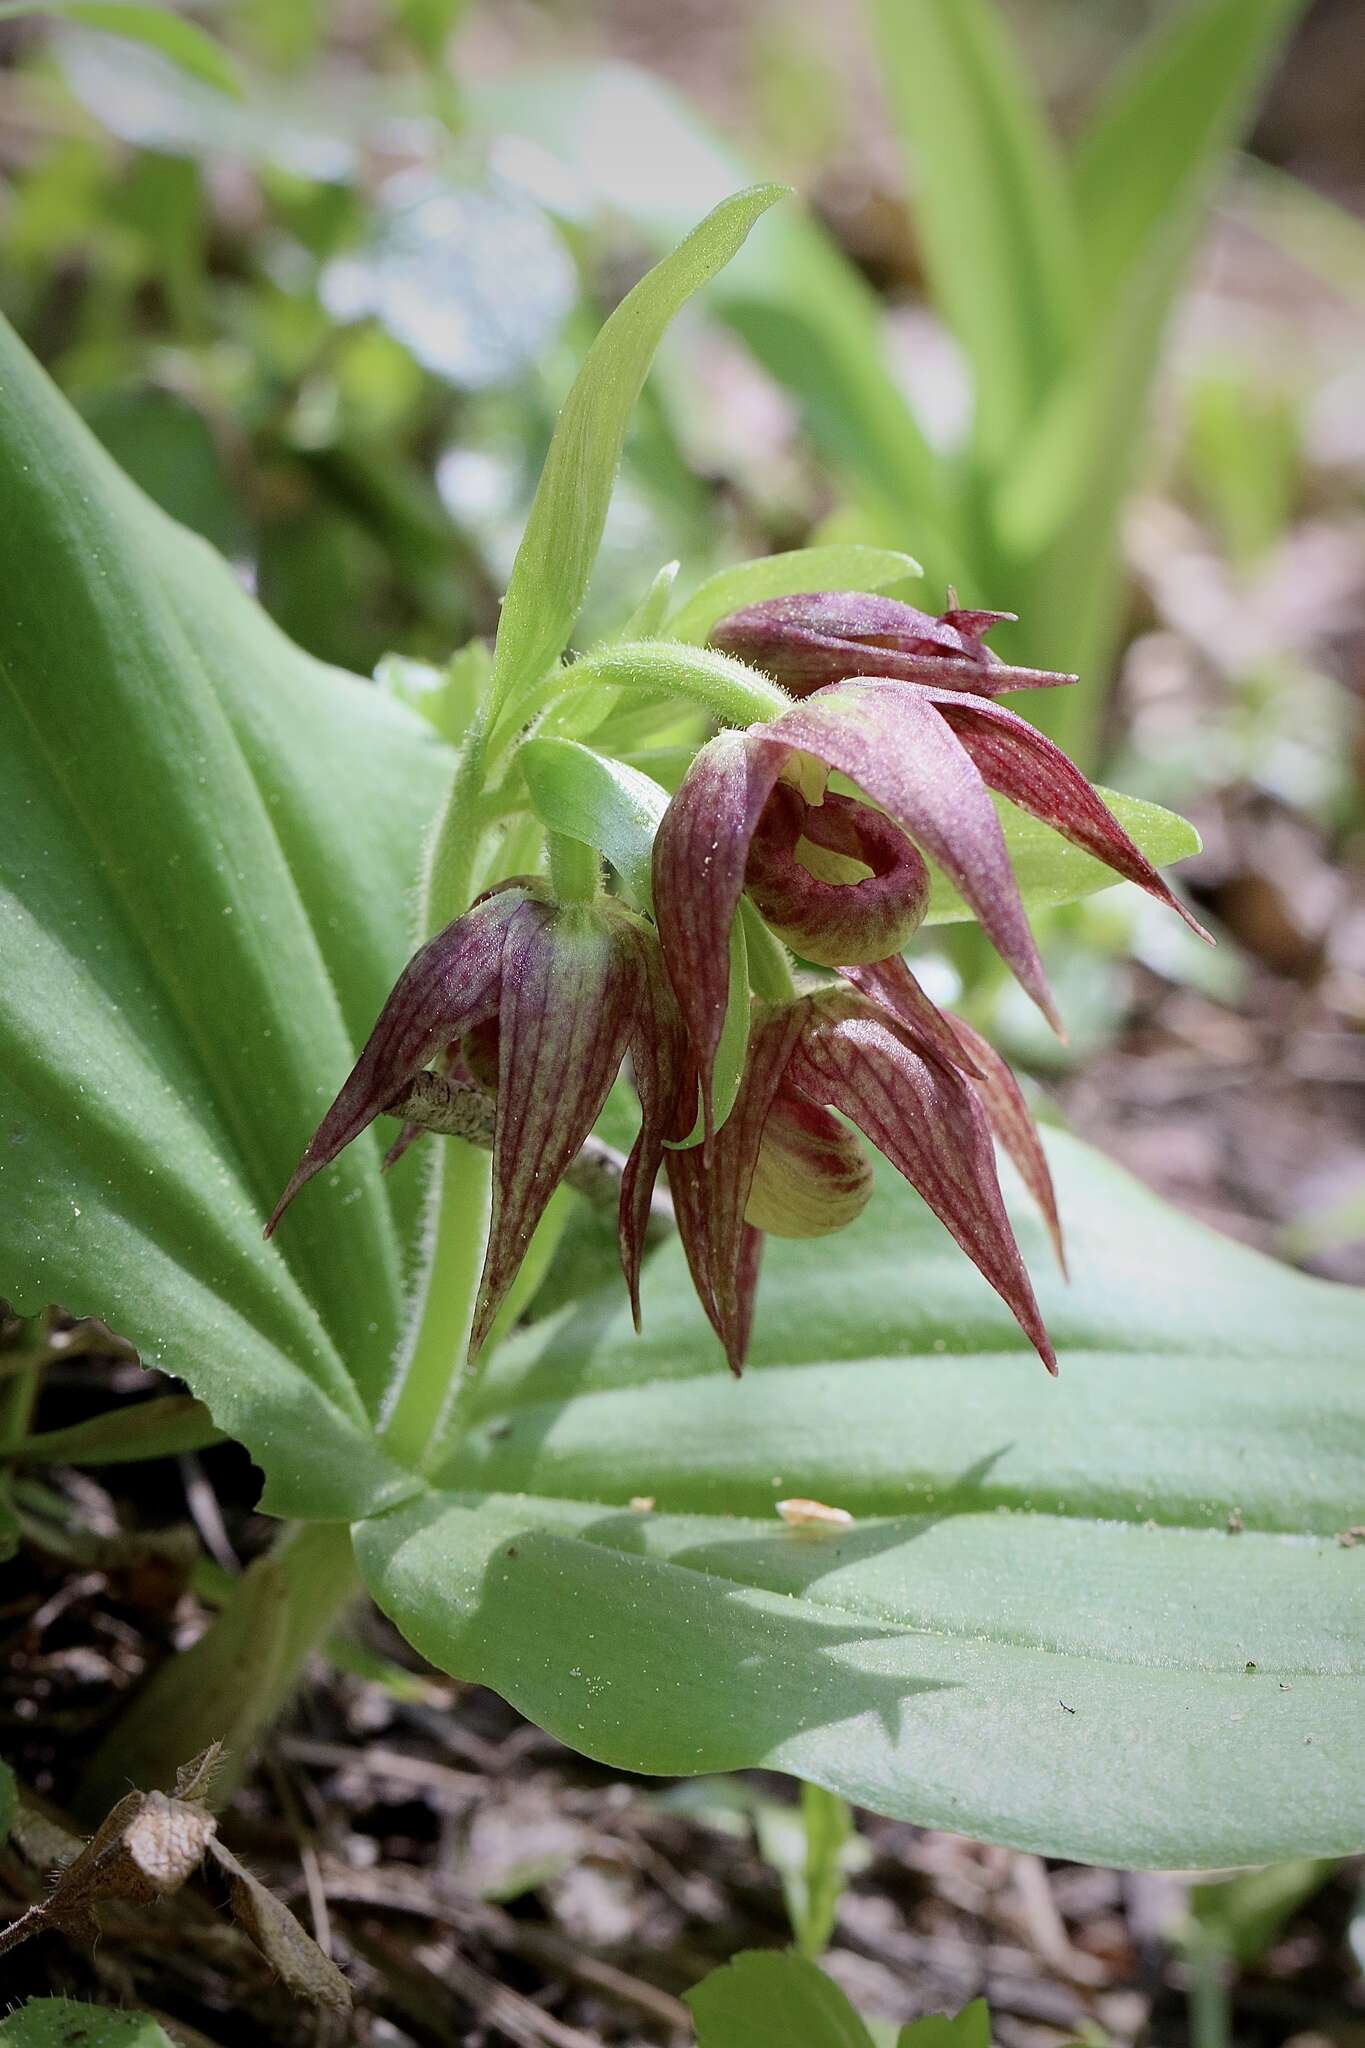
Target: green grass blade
990,200
1161,129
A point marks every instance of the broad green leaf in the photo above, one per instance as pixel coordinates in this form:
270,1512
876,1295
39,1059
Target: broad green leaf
160,1428
1104,1617
61,2023
600,801
187,46
989,199
1051,871
1144,163
208,840
787,575
772,1998
559,546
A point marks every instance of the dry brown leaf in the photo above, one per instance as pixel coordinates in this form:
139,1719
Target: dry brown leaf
291,1952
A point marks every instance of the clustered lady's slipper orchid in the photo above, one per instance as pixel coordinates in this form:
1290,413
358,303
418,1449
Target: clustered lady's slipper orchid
540,1001
570,989
782,1163
929,758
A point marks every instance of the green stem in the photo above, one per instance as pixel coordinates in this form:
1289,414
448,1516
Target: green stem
730,691
770,967
429,1365
430,1371
1210,2006
575,869
454,850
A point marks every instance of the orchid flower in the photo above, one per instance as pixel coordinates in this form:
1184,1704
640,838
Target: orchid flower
565,990
747,817
782,1163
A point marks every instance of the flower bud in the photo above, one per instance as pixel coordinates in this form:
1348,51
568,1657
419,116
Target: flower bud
813,1176
821,637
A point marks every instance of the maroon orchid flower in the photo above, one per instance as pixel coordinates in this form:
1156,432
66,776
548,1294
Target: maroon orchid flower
747,815
782,1163
561,993
822,636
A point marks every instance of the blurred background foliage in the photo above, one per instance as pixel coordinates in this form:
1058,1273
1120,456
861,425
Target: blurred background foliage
319,276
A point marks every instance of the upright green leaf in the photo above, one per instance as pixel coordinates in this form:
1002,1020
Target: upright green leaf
989,198
1104,1617
208,845
559,546
1144,164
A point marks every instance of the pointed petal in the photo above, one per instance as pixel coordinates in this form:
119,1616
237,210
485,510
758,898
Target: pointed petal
1024,765
891,984
928,1123
665,1081
700,852
746,1293
447,987
890,739
710,1200
1012,1121
570,991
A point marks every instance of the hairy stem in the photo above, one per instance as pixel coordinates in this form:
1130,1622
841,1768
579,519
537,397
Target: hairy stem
457,1109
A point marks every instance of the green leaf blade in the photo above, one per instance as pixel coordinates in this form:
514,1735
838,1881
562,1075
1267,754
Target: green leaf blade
1064,1583
62,2023
1144,163
600,801
199,916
